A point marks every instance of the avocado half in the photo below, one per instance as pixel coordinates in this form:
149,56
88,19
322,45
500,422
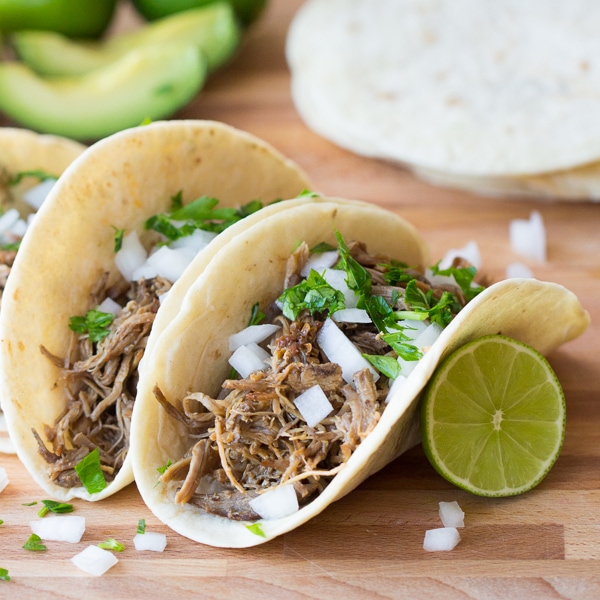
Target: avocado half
147,83
212,28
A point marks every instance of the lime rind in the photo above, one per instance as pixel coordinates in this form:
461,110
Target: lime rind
493,417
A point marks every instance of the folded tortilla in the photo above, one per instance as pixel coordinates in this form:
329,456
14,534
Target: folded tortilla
117,184
191,353
23,150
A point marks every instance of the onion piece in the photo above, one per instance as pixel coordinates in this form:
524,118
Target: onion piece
351,315
108,305
196,241
168,263
411,328
131,256
396,386
336,278
151,540
276,503
339,349
451,514
425,339
94,560
469,252
319,261
313,405
19,229
8,219
249,358
59,528
3,479
518,270
528,237
252,333
441,539
36,195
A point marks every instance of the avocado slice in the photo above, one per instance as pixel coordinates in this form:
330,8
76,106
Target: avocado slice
212,28
150,82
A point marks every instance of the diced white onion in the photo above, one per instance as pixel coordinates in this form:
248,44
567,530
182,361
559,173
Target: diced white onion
313,405
151,540
469,252
59,528
36,195
3,479
396,386
411,328
131,256
339,349
209,485
351,315
19,229
168,263
336,278
441,539
249,358
277,503
518,270
319,261
425,339
196,241
8,219
108,305
451,514
407,366
94,560
528,237
252,333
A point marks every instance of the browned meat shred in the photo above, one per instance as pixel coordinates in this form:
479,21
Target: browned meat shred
99,380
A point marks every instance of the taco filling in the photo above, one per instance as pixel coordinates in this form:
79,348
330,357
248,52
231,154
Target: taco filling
99,375
312,377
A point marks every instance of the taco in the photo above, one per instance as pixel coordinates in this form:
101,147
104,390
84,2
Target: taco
29,164
85,290
208,447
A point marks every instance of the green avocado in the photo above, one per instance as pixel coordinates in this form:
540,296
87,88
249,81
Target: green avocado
147,83
213,29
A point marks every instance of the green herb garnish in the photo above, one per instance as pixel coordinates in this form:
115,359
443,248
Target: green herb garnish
11,246
322,247
256,529
256,315
387,365
141,528
464,278
55,507
34,543
29,503
313,294
162,469
95,323
4,575
112,544
440,311
118,241
90,472
37,173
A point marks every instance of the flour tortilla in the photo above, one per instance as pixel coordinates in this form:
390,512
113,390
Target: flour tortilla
464,87
191,353
24,150
118,182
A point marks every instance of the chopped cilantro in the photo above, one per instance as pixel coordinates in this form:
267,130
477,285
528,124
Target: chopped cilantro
307,194
90,472
141,528
256,529
387,365
95,323
29,503
440,311
464,278
55,507
11,246
4,574
322,247
112,544
162,469
34,543
37,173
119,233
313,294
399,343
256,315
1,521
358,278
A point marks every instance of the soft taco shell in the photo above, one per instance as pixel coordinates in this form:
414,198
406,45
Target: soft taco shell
191,353
119,182
24,150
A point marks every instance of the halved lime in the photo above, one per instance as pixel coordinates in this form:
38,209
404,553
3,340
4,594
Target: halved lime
493,417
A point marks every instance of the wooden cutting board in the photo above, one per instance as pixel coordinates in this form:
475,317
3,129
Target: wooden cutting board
544,544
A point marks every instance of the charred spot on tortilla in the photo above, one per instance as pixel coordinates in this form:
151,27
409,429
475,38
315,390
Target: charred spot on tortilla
252,436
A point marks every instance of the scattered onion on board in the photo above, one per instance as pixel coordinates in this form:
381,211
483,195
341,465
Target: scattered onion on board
451,514
3,479
441,539
528,237
59,528
94,560
151,540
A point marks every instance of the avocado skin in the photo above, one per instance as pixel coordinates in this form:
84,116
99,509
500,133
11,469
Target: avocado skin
73,18
147,83
213,28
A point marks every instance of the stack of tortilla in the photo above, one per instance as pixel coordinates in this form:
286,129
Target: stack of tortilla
493,97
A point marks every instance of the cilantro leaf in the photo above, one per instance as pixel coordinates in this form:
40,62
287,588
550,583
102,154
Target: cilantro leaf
358,278
313,294
11,246
387,365
119,233
112,544
34,543
256,315
162,469
4,574
463,276
141,528
95,323
55,507
90,472
256,529
37,173
399,342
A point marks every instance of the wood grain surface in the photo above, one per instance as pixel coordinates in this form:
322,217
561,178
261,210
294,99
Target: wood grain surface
544,544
